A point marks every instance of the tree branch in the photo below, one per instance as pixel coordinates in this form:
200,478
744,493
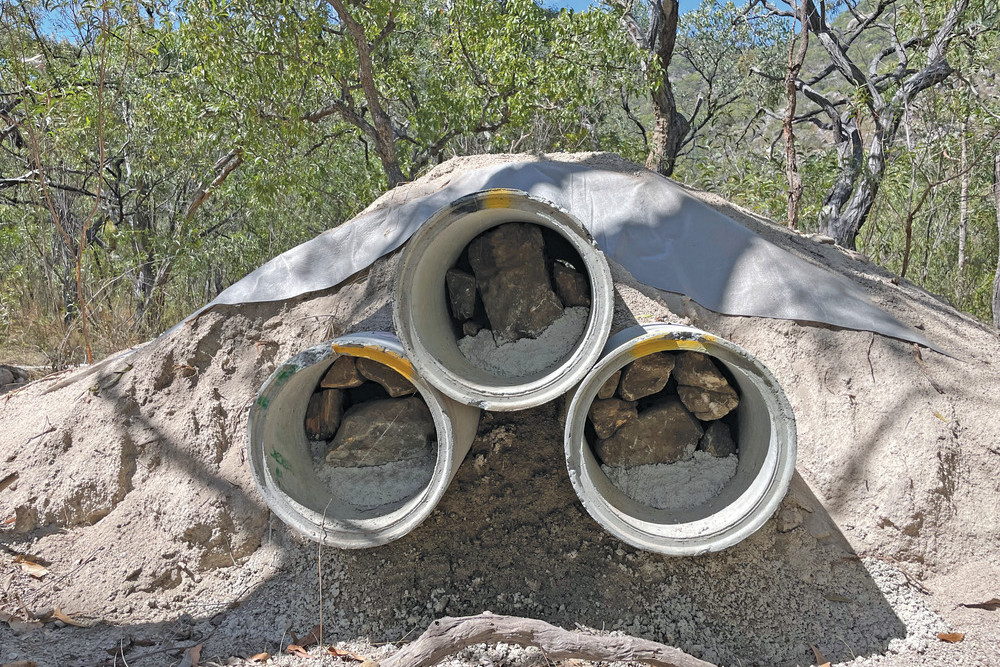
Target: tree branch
449,635
228,163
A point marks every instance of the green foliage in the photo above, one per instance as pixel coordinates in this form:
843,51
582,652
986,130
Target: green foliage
261,104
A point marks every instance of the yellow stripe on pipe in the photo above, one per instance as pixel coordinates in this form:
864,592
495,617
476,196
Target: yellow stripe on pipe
497,198
654,345
395,361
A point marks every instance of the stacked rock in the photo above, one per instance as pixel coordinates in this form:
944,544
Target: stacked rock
369,414
662,408
511,280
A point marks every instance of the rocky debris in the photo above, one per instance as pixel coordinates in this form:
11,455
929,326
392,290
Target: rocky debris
509,265
394,384
12,377
609,388
695,369
645,376
663,433
607,416
707,404
323,414
378,432
461,293
718,440
343,374
572,286
657,429
471,328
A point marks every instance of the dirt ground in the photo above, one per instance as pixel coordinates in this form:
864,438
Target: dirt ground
133,494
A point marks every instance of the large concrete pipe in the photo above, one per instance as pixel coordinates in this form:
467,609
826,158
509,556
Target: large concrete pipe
539,367
292,484
765,434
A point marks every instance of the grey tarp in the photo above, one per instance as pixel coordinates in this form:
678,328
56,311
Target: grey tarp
665,237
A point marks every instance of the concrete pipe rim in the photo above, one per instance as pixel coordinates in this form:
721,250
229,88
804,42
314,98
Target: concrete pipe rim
420,286
329,520
744,504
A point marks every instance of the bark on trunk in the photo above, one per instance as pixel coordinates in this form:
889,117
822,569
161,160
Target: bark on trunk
796,56
670,126
963,203
996,276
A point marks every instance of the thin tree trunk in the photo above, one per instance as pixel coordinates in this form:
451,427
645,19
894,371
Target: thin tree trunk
383,134
996,276
669,125
963,203
795,60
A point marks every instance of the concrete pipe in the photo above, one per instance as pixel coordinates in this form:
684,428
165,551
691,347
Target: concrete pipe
291,483
765,435
536,369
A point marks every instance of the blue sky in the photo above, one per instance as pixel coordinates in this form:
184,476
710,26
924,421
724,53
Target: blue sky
580,5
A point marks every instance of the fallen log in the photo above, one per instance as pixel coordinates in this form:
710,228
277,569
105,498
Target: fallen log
449,635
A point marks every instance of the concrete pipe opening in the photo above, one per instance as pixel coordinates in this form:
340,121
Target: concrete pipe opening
503,301
352,448
660,474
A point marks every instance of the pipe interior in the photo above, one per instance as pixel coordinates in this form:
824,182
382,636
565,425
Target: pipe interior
743,491
290,466
432,323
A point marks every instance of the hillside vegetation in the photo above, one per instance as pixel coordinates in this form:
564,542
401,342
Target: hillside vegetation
152,153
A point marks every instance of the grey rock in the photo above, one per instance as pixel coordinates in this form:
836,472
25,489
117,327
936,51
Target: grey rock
471,327
378,432
645,376
343,374
609,388
607,416
12,377
572,286
695,369
393,383
706,404
509,264
323,414
718,440
663,433
461,293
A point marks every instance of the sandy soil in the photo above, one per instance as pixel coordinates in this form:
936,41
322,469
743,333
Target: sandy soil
133,492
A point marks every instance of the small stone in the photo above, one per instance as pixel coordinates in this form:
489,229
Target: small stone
789,518
461,293
572,286
378,432
393,383
323,414
607,416
718,440
471,327
645,376
663,433
695,369
708,405
509,265
343,374
823,239
609,388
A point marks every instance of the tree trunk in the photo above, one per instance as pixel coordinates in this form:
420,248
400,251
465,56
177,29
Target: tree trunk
850,156
795,60
996,276
963,203
670,126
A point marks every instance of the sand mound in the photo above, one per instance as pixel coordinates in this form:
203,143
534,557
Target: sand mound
133,491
